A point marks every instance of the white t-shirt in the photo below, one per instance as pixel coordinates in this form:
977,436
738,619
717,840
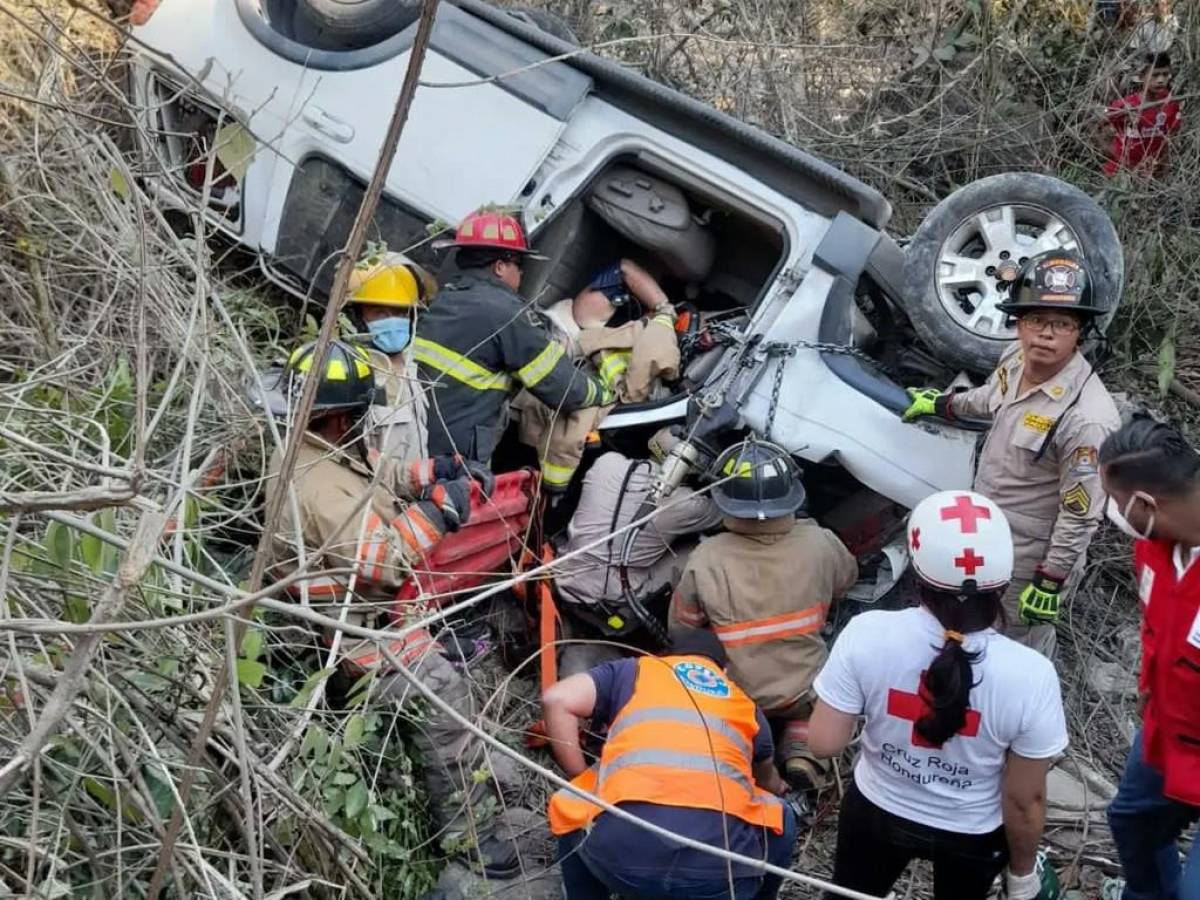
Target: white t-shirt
875,669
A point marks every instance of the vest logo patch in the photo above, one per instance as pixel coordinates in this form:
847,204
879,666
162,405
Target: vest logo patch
701,679
1146,585
1077,500
1193,637
1040,424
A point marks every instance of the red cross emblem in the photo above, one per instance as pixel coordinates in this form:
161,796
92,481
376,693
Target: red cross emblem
916,539
967,514
914,707
968,562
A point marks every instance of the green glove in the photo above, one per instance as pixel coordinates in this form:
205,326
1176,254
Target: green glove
1040,599
925,402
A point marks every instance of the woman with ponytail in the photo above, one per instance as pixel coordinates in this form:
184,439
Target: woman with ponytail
961,723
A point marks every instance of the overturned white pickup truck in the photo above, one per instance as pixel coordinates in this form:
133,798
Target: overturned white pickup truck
809,316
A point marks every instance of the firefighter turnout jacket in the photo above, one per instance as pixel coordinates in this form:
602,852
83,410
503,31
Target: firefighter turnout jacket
479,343
376,541
1040,462
1170,675
397,428
684,739
765,588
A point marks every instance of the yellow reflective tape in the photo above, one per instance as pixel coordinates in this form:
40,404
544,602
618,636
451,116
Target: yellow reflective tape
744,469
459,367
541,365
335,370
664,319
555,474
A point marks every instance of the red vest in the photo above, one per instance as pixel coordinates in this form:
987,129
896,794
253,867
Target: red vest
1170,667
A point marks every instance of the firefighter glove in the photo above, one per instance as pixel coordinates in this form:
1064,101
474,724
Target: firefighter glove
424,473
453,500
1040,600
483,477
925,402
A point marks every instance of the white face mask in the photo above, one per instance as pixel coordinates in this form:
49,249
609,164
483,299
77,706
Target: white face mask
1120,518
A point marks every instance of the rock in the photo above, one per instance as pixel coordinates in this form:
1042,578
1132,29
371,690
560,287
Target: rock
1077,788
1112,678
539,880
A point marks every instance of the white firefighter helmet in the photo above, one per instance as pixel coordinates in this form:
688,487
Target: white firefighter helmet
960,541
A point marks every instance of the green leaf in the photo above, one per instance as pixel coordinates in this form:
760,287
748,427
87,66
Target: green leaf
1166,364
160,793
310,685
344,778
118,183
250,672
91,551
315,741
354,732
356,799
252,644
945,54
77,610
59,544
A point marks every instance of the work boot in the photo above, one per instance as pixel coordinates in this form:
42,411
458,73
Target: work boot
803,774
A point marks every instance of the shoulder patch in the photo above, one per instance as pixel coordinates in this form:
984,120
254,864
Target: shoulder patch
1077,500
1085,461
1040,424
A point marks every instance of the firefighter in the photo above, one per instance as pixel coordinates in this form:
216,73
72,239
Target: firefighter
1049,413
386,292
1152,478
630,359
764,587
480,340
686,750
960,724
406,510
588,585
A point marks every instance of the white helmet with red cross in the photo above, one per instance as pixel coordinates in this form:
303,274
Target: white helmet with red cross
960,540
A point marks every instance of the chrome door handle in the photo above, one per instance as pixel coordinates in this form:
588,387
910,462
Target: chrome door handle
329,125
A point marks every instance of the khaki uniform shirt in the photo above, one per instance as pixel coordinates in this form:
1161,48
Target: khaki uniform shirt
592,575
374,539
765,588
397,430
1053,504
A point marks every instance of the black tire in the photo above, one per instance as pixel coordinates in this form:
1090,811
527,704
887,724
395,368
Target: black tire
1093,231
345,25
546,21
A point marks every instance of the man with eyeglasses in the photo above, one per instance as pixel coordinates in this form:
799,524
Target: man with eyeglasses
1049,414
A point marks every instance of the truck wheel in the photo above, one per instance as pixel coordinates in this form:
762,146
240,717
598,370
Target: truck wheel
343,25
950,284
547,21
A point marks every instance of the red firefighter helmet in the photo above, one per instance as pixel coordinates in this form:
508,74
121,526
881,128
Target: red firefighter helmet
489,229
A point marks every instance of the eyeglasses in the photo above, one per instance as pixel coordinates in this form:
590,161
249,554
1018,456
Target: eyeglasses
1036,322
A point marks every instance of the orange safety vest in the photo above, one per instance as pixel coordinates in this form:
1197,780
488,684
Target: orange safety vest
685,738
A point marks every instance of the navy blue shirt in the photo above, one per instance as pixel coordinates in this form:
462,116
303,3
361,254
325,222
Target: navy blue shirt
618,845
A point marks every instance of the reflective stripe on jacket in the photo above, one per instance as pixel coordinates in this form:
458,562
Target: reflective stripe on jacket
1170,668
685,738
764,588
478,342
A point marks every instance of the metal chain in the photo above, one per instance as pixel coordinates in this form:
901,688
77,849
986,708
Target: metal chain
783,350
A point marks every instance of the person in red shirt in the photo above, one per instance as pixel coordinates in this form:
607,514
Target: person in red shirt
1142,122
1152,477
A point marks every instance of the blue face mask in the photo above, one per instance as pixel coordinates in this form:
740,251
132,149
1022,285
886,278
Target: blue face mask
391,335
